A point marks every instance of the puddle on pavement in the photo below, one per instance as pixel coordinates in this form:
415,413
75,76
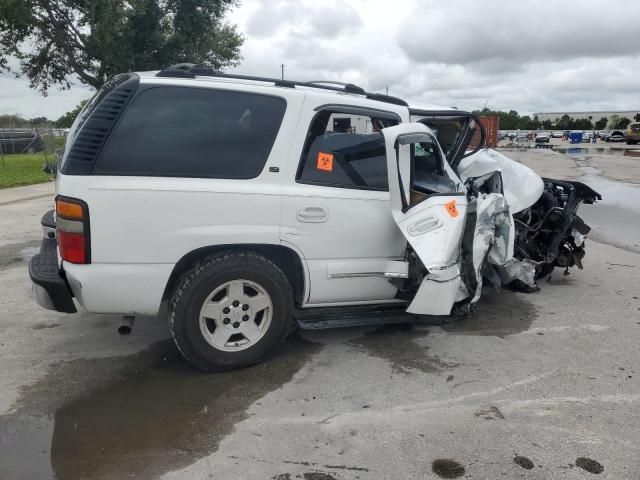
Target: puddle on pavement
18,252
498,313
447,468
524,462
396,344
613,220
589,465
584,151
134,417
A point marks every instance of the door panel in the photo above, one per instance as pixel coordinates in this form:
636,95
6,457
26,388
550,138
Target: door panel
434,226
346,237
335,209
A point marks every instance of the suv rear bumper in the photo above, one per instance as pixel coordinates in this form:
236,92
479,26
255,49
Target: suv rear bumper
49,286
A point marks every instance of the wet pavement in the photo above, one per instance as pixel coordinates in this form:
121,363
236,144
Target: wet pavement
543,385
614,219
149,413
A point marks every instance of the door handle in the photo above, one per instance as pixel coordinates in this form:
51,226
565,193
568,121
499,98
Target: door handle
424,225
312,214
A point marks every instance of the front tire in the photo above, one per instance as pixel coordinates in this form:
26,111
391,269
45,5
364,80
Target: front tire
230,311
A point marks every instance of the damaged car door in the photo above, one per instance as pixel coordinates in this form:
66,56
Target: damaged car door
429,204
452,229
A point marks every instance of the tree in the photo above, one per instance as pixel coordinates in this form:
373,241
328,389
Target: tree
58,40
601,124
66,120
527,123
564,123
617,122
547,124
582,124
12,121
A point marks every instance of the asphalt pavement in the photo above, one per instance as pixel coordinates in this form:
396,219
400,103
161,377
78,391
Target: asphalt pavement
543,385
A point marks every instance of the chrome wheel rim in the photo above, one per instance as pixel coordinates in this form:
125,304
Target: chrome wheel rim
236,315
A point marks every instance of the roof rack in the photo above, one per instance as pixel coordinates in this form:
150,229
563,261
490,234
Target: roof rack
191,70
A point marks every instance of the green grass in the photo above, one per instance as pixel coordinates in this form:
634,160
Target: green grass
22,170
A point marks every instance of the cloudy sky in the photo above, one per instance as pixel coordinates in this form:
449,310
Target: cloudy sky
527,55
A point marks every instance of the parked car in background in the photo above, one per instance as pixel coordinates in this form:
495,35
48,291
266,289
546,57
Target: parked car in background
20,141
603,134
633,133
543,137
615,136
586,137
556,134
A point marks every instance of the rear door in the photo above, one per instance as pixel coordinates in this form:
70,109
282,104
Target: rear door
429,205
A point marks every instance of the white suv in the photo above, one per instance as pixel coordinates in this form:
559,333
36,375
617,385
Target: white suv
235,200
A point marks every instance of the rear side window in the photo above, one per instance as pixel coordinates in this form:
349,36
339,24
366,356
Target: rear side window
345,151
190,132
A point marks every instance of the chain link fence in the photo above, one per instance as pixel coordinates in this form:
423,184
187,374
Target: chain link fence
31,139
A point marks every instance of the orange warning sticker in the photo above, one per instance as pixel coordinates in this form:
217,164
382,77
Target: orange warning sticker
325,162
451,208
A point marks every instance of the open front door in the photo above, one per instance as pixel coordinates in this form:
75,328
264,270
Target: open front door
429,205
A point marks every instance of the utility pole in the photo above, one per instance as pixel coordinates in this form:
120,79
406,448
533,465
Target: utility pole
282,70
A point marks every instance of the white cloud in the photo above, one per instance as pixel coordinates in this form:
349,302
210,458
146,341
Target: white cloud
527,55
16,97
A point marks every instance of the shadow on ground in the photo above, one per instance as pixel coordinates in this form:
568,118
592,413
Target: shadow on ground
498,313
137,416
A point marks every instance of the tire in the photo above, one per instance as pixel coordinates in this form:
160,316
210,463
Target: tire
208,306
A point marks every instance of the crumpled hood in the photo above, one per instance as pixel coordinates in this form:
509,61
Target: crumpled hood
522,186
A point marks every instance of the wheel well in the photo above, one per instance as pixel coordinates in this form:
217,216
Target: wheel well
286,259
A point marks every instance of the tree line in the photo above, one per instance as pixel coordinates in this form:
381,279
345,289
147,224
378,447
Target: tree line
9,121
511,120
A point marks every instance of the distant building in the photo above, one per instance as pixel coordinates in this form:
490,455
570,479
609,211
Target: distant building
593,116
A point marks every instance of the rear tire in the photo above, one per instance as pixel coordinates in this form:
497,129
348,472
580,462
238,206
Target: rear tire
231,311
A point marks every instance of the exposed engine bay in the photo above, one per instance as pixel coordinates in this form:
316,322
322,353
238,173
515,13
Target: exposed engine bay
550,233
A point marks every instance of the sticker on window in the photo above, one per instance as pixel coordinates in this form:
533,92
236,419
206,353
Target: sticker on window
325,161
451,208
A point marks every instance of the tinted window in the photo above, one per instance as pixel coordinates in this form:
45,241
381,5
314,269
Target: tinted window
90,107
188,132
345,151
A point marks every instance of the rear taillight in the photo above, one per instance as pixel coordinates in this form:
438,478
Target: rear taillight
72,229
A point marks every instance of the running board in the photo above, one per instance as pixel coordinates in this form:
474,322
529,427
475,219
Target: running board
357,316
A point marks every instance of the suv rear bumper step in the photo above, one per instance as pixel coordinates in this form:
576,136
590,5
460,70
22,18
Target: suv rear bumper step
50,287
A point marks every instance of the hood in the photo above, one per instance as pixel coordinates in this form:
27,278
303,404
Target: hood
522,186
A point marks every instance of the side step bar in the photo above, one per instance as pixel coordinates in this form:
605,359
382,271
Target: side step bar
358,316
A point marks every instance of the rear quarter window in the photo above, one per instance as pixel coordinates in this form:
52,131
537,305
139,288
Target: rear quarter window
194,132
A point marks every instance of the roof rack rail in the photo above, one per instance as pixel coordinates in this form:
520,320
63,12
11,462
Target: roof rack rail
348,87
191,70
387,99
